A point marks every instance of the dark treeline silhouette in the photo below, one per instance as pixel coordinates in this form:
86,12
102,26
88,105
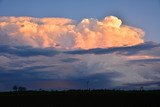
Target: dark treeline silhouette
19,88
81,98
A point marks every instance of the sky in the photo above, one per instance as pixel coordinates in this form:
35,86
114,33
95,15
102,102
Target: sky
139,13
65,44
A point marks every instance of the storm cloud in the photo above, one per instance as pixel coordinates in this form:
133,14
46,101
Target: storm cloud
68,34
60,53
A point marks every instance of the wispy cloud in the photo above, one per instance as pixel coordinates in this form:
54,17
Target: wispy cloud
131,50
26,51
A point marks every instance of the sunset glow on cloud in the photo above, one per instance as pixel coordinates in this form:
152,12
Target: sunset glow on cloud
68,34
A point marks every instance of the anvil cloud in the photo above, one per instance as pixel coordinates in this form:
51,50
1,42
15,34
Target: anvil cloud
67,33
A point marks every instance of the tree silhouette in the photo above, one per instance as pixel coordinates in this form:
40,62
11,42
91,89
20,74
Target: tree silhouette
15,88
141,88
19,88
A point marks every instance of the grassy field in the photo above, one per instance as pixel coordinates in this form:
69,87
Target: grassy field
82,98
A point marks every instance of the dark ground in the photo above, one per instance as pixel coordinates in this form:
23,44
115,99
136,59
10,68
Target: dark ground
81,98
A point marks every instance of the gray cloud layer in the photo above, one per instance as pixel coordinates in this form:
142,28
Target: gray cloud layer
50,68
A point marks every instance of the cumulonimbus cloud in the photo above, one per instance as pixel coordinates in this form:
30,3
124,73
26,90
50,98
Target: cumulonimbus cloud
68,34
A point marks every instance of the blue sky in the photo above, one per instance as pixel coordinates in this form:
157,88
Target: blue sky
139,13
